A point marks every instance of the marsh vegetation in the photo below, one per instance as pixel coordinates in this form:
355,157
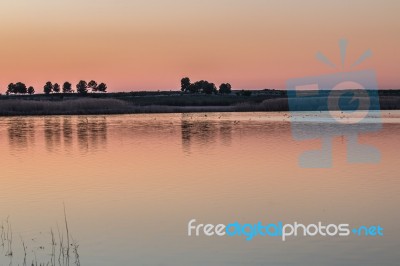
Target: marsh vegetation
54,248
183,101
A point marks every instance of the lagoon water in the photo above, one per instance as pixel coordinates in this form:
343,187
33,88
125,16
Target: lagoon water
131,184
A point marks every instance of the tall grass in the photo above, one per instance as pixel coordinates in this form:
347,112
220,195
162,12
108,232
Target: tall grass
88,106
65,252
78,106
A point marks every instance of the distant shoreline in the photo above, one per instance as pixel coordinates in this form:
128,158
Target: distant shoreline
163,102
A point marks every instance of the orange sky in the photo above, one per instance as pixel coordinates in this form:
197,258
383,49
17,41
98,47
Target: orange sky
151,44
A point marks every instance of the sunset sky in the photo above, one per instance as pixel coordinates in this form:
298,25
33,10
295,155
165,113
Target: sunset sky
152,44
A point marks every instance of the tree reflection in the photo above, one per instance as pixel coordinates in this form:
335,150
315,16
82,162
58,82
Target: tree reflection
67,132
91,133
58,132
52,132
225,132
21,132
204,132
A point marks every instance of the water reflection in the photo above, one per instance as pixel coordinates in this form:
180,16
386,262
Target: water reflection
225,132
91,133
326,132
52,133
21,132
58,132
67,132
204,132
239,167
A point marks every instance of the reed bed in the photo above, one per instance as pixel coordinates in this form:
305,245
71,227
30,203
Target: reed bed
62,251
103,106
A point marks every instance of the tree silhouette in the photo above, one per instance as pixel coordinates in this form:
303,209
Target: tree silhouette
225,88
56,88
21,88
11,88
31,90
185,84
17,88
48,88
194,88
102,87
203,86
82,87
210,88
67,87
92,85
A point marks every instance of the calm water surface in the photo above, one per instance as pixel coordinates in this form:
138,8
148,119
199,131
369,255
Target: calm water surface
131,183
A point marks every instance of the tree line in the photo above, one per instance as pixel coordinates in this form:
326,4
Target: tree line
204,86
81,88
